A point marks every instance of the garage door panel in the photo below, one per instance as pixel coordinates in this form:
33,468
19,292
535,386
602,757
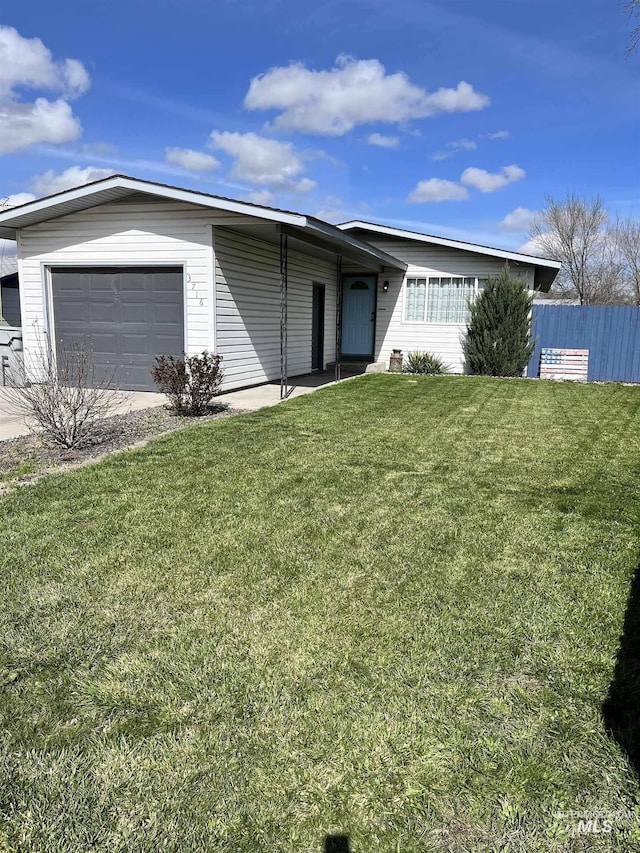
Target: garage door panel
128,316
164,314
72,311
100,283
99,312
163,283
168,344
138,313
135,344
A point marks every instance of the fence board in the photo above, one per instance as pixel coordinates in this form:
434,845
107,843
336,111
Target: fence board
611,333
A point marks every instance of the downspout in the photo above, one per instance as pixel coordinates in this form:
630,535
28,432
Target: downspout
338,314
284,391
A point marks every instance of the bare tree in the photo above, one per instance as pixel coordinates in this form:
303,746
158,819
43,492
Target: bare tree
574,231
69,401
632,8
626,236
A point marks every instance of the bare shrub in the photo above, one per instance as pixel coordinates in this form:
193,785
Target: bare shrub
189,383
69,402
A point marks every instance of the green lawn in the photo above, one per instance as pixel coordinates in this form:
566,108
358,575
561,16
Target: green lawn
390,610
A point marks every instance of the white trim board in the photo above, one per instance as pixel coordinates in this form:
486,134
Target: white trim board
388,231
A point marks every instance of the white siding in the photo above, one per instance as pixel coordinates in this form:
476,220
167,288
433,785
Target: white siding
443,339
248,308
134,233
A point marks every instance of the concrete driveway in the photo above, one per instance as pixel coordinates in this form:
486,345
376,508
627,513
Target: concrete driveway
13,424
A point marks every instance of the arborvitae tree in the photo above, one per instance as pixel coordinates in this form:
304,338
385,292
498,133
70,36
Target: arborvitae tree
499,332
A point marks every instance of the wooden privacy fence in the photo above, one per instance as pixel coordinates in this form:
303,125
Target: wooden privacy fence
611,333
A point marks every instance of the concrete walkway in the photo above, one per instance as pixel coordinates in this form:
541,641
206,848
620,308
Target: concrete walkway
13,425
260,396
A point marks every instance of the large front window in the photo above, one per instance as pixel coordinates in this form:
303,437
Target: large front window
439,299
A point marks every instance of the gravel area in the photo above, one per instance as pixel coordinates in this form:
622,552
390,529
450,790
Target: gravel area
28,457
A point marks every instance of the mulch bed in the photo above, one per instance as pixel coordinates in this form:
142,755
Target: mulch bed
28,457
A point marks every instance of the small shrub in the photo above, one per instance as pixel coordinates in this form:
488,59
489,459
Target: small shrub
70,400
424,363
189,383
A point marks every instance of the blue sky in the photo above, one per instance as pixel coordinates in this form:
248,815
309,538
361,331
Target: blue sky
457,118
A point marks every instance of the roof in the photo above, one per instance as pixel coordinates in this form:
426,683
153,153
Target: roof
116,187
546,268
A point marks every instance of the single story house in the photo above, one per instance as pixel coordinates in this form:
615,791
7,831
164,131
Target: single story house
9,294
142,269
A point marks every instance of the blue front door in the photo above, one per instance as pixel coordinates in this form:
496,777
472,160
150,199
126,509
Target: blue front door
358,314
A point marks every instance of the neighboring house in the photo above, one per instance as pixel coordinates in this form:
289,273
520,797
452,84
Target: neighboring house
10,332
9,294
143,269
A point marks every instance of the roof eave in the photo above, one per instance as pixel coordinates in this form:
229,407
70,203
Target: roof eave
98,192
446,241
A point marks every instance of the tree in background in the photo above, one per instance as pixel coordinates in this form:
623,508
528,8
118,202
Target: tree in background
600,261
626,236
498,339
574,231
632,7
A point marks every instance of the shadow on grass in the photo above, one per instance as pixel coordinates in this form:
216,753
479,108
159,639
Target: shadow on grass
336,844
621,708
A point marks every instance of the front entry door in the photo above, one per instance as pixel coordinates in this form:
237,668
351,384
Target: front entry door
358,315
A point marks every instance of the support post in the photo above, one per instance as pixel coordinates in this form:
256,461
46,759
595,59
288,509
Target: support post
338,314
284,390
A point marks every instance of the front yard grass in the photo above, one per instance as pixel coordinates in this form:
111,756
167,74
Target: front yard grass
390,610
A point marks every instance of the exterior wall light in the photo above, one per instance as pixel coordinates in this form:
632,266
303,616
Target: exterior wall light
385,286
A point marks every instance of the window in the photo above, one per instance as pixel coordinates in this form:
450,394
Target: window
439,299
416,299
448,297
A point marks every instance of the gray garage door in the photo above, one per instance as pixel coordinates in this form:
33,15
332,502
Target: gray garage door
127,315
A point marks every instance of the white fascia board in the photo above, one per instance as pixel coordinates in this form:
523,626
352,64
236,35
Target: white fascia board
50,203
452,244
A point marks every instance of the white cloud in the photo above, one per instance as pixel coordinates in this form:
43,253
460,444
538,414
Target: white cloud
533,247
192,161
463,145
16,199
437,189
352,93
263,162
27,63
519,219
99,148
453,148
499,134
50,182
383,141
489,182
22,125
265,197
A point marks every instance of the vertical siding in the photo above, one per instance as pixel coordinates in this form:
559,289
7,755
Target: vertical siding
445,340
133,232
248,308
611,333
